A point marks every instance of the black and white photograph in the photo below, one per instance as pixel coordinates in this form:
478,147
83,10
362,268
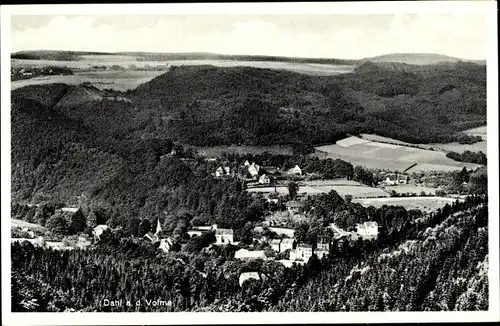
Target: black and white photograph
212,159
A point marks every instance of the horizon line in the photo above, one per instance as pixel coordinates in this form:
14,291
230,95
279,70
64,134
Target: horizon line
251,55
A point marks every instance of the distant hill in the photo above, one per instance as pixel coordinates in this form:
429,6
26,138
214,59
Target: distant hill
158,56
418,59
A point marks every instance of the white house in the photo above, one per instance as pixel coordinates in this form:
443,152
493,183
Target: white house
295,170
219,172
253,169
367,230
264,179
275,244
99,230
303,252
224,236
287,244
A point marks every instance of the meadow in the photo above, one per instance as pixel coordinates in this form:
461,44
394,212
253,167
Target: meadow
342,187
427,204
116,80
389,155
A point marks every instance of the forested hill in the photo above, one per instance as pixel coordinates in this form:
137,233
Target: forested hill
418,104
243,105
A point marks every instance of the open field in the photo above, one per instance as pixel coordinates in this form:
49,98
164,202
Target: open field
445,147
481,146
427,204
24,224
403,189
391,156
117,80
217,151
87,62
342,187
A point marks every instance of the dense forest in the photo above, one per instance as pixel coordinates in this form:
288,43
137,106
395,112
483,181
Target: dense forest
468,156
432,262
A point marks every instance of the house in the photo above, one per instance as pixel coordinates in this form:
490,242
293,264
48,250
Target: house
395,179
245,254
287,244
245,276
199,230
295,170
99,230
253,169
264,179
222,171
295,207
302,252
322,249
367,230
150,236
192,233
246,163
224,236
166,244
275,244
219,172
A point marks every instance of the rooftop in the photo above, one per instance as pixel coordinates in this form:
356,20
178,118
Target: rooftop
224,231
294,203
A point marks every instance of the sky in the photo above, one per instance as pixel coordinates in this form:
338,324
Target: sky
309,35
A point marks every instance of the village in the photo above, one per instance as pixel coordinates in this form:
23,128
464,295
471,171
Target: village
273,238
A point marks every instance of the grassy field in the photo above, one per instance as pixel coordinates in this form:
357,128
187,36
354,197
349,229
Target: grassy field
403,189
117,80
391,156
87,62
342,187
460,148
427,204
24,224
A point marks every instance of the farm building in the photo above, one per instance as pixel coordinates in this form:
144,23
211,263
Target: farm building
395,179
295,207
295,170
264,179
367,230
224,236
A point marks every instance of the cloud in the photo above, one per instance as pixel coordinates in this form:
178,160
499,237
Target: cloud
341,36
